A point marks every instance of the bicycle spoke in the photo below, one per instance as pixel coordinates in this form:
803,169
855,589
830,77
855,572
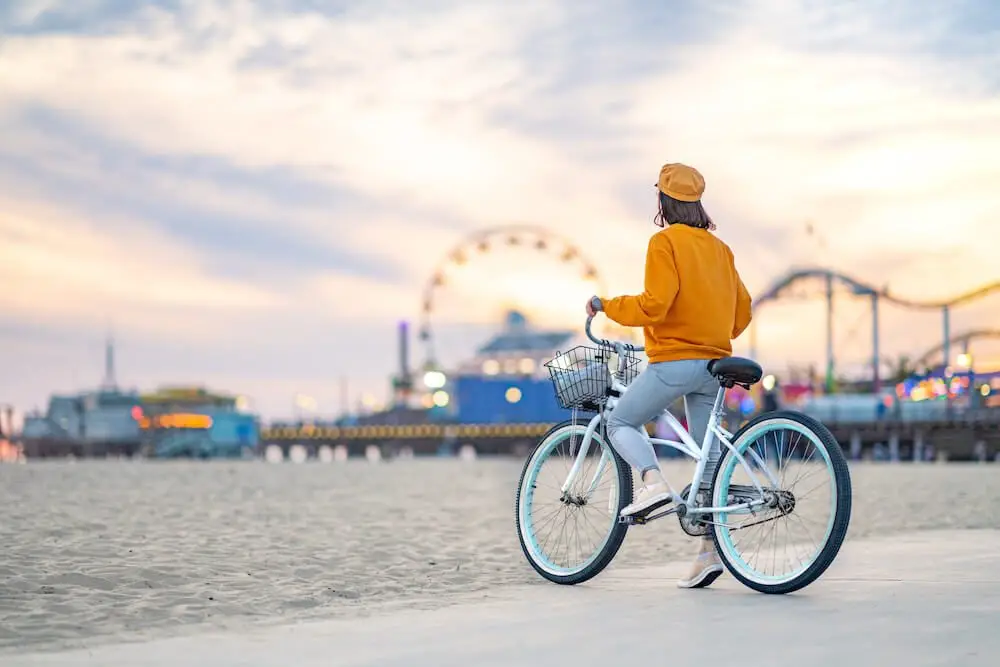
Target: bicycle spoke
570,528
777,540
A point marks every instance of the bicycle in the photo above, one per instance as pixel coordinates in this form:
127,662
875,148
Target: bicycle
593,379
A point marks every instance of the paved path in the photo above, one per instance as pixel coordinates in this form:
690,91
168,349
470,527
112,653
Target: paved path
914,600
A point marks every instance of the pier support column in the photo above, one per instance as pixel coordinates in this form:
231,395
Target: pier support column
946,343
298,453
829,334
855,446
918,446
274,454
946,353
876,376
894,447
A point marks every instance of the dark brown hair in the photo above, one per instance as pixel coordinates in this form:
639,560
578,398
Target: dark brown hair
690,213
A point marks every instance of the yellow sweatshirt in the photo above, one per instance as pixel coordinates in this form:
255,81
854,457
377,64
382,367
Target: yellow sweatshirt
694,302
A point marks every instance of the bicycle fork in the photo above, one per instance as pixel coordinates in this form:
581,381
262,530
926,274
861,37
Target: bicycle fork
581,455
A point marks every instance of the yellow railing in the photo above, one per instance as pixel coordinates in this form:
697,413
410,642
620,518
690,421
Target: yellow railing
402,432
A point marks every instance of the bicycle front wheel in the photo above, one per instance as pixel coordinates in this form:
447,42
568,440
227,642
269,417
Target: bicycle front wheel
570,537
797,525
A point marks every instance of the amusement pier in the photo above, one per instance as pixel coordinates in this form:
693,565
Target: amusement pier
941,406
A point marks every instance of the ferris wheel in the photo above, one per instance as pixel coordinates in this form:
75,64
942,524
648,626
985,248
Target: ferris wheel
524,238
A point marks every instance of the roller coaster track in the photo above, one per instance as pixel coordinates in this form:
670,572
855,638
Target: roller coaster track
859,288
963,337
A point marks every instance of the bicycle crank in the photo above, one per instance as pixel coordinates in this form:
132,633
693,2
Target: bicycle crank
643,519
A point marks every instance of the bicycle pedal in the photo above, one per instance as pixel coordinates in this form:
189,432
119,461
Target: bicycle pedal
646,515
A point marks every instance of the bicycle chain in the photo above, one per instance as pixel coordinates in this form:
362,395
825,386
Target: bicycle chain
748,525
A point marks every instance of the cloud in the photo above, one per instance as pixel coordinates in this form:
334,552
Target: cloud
277,176
248,219
407,124
63,269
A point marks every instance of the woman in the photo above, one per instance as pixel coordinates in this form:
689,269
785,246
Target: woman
693,305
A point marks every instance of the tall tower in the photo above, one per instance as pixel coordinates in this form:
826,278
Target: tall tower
402,384
109,382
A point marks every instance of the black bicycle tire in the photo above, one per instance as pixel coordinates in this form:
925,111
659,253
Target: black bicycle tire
841,523
611,547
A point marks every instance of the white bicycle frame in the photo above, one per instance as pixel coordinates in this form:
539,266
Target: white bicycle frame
686,446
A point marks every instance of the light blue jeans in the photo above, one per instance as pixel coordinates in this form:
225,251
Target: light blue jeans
656,388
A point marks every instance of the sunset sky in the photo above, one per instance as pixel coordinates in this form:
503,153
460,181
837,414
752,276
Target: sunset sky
251,195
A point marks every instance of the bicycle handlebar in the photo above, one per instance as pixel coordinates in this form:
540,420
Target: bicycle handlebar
610,343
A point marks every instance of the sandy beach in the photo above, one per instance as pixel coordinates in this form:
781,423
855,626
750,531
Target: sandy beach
104,551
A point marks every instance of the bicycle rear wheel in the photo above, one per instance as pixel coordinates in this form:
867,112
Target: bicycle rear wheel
569,538
799,524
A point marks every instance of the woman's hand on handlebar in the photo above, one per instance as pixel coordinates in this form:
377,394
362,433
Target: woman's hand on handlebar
594,305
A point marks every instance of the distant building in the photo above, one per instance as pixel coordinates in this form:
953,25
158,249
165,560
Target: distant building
185,421
506,380
169,423
192,422
96,419
517,350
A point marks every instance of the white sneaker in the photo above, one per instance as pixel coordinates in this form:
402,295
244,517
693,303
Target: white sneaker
706,568
649,496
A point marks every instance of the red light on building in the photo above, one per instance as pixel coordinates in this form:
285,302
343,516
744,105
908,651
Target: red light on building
136,413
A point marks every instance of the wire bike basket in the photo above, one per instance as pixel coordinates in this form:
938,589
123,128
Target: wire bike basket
582,376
